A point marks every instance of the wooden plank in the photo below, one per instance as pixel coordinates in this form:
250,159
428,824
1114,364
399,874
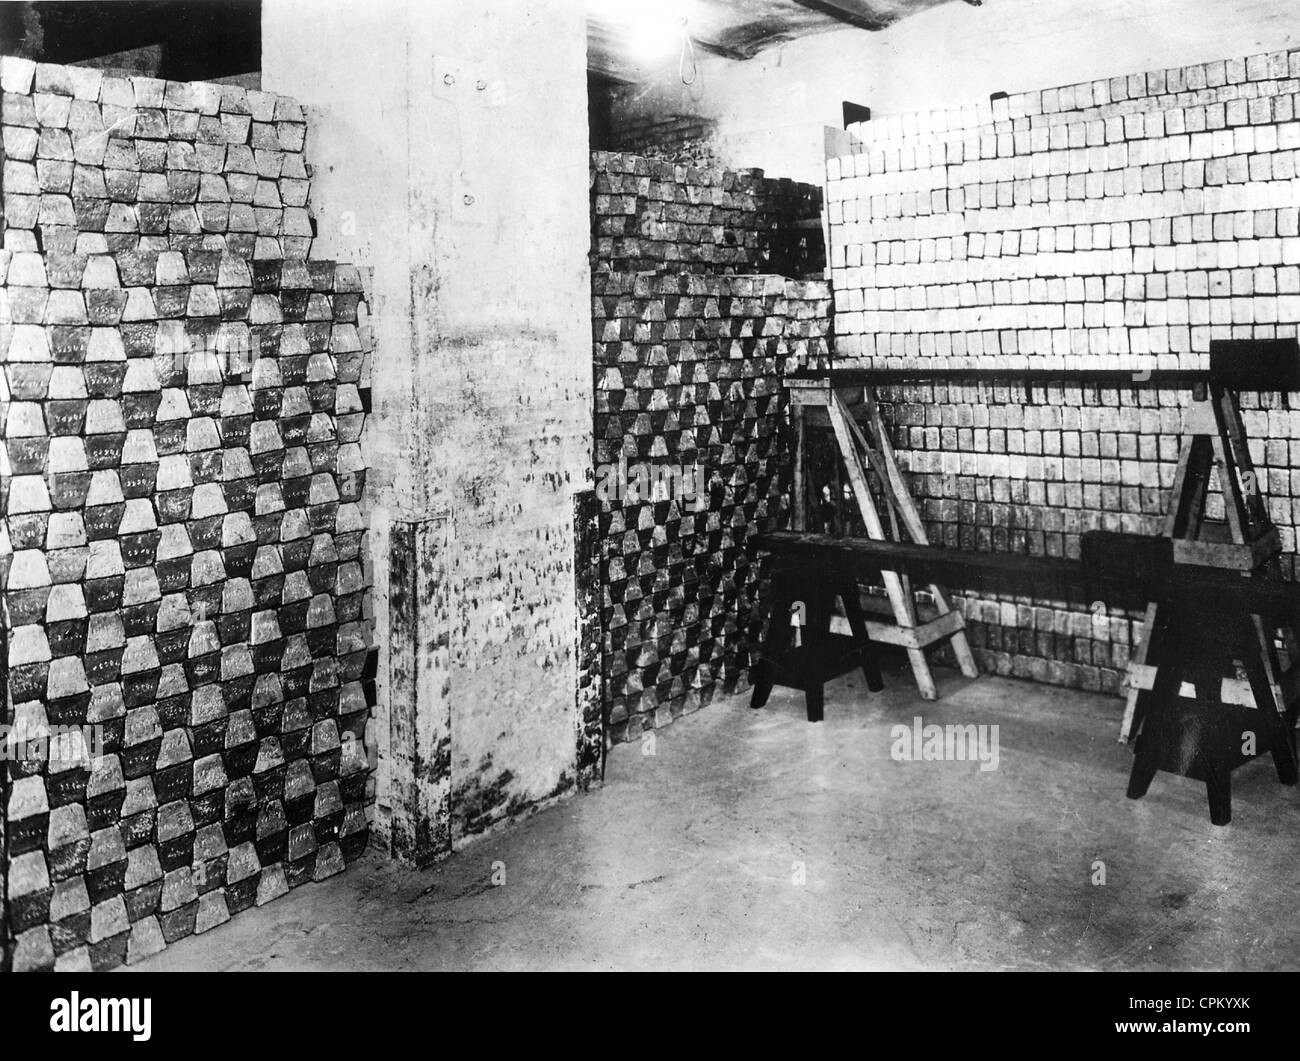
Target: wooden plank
1179,487
877,465
1227,556
1138,669
916,528
892,508
919,636
1230,487
800,502
1234,691
807,393
1186,504
895,485
1200,587
1245,480
925,633
1278,732
1269,665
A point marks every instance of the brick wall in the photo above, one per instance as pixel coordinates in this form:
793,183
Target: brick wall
183,392
1122,223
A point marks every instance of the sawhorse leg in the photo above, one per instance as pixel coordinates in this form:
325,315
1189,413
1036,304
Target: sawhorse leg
1213,757
1151,704
1156,729
777,641
1218,790
1260,661
821,654
858,624
898,591
818,607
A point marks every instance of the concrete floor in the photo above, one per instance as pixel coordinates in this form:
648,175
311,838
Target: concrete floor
686,859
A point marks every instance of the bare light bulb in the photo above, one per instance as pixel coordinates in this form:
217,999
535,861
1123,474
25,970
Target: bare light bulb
656,38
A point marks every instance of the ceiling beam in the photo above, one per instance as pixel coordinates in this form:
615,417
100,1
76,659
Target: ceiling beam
720,49
843,14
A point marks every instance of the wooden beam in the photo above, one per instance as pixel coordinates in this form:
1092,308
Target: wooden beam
1206,590
719,49
843,14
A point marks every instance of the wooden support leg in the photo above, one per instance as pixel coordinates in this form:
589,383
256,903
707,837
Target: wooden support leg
817,636
900,602
778,637
1284,762
800,488
1146,758
815,697
960,646
1218,789
1186,509
1144,769
921,671
858,624
901,499
1143,656
1275,729
899,590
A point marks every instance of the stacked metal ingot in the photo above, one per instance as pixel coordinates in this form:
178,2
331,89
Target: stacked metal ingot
1122,223
688,375
653,216
97,164
807,325
182,398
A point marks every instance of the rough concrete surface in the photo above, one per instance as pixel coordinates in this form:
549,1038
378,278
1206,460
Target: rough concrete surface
687,857
456,165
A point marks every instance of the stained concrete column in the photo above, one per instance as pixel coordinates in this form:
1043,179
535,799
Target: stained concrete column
449,151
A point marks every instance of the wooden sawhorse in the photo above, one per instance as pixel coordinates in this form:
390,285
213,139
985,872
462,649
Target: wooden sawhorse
1222,725
1206,739
809,589
818,403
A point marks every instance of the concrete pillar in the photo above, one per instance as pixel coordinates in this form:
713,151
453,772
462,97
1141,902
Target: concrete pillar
449,146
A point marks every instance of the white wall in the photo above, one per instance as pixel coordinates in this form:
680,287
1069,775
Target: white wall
771,109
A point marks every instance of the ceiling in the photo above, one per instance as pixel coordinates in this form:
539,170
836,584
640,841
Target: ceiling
192,41
633,40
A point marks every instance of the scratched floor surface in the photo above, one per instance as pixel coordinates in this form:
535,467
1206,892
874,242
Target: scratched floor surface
752,839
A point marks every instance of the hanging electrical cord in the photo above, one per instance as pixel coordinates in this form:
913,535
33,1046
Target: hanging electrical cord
687,45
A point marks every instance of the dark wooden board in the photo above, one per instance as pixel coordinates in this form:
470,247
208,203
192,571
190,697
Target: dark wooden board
1127,582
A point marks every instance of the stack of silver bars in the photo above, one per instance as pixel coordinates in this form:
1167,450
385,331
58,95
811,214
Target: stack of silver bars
182,546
